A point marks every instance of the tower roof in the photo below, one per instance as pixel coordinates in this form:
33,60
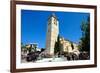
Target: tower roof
53,15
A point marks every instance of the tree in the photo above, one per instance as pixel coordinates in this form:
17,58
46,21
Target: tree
72,45
57,46
29,49
85,39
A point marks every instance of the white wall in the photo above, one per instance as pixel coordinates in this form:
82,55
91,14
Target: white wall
5,36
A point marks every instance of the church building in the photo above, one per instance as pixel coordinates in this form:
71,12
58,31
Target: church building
51,37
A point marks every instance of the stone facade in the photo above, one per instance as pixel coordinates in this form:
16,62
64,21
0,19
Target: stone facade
52,33
68,46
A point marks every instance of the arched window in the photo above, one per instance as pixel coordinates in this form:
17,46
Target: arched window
55,21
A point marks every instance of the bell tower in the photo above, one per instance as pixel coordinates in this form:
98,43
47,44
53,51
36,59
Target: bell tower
52,33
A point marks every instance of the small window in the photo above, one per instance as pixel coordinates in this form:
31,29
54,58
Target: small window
55,22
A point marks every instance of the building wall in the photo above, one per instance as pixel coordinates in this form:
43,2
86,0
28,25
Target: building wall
52,34
66,46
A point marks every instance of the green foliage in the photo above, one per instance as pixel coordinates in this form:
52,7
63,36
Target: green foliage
57,46
72,45
29,49
85,39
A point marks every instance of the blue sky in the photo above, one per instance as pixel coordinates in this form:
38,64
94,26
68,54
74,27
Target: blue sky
34,26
